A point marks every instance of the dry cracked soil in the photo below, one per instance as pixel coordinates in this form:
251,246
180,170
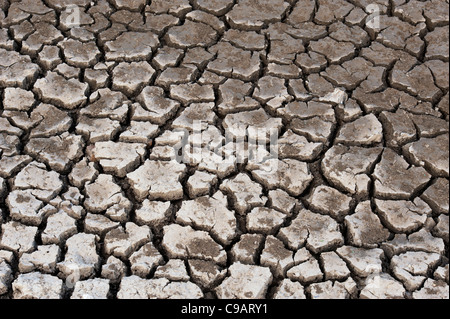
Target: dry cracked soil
98,200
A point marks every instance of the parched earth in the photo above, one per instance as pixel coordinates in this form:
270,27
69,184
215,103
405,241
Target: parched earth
98,200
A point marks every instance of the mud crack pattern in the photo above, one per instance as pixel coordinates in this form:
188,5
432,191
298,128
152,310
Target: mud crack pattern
93,95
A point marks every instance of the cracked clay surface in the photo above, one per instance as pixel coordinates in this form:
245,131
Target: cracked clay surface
99,200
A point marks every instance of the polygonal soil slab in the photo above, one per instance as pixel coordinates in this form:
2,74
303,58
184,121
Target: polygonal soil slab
105,103
234,62
158,179
17,237
134,287
5,276
431,153
264,220
257,124
130,78
176,7
328,200
105,195
382,286
396,179
37,286
57,151
43,184
60,226
245,282
185,242
192,93
154,106
96,288
432,289
25,207
317,231
81,259
123,241
211,215
16,69
217,7
132,5
276,256
131,46
411,267
364,131
364,228
191,34
118,158
290,175
363,262
298,147
287,149
421,240
436,196
245,193
403,216
78,54
348,167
